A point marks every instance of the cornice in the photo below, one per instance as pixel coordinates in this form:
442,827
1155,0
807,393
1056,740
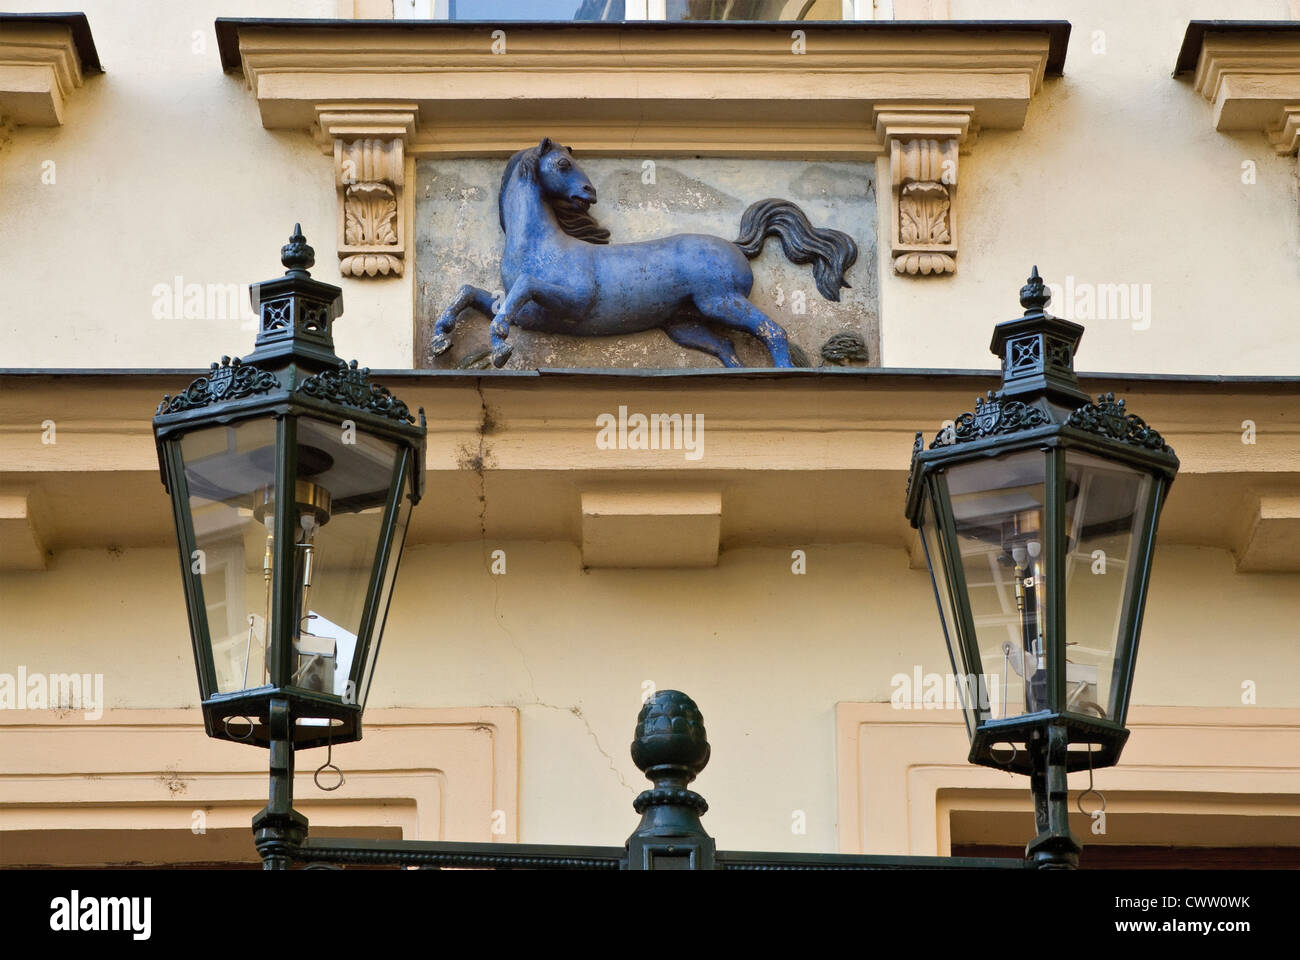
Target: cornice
803,459
703,89
918,92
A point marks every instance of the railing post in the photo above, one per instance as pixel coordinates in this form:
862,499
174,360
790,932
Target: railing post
671,748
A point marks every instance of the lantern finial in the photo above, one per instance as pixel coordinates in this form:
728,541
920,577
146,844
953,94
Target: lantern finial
296,313
1034,295
296,255
1037,351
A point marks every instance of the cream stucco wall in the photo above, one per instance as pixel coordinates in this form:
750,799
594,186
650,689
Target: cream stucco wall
767,655
162,170
1118,177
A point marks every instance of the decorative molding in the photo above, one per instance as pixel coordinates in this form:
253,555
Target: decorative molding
39,69
434,774
791,468
369,146
901,772
1253,80
1250,71
924,141
1108,418
644,90
918,92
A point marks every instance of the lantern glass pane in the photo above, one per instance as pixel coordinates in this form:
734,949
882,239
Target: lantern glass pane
386,584
967,686
1104,510
998,515
344,478
229,470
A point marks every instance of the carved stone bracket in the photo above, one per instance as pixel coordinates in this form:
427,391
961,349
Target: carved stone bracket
369,147
1252,76
923,143
1250,71
43,59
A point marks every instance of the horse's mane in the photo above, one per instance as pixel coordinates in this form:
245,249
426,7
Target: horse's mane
573,220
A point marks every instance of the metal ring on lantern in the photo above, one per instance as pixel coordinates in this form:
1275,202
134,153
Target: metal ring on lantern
328,765
1015,752
226,724
1091,789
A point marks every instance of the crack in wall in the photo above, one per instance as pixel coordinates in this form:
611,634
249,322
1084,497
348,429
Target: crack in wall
479,460
577,712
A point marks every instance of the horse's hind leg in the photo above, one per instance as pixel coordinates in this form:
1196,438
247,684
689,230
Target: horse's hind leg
466,297
734,310
696,336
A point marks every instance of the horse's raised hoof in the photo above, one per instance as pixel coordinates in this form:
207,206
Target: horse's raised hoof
500,356
439,345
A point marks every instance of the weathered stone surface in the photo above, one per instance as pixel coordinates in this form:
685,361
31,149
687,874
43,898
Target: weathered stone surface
458,240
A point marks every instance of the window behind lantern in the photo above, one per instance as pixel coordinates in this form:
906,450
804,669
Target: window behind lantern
1105,507
999,521
229,470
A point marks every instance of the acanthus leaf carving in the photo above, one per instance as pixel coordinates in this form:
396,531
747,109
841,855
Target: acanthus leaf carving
923,213
370,215
369,175
923,148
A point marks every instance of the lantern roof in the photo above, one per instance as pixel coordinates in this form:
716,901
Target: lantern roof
1040,403
293,367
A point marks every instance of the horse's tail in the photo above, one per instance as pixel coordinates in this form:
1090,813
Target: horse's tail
829,251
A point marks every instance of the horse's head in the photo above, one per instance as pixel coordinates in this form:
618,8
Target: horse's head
560,178
564,186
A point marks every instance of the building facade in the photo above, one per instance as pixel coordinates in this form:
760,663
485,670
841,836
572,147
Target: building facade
154,157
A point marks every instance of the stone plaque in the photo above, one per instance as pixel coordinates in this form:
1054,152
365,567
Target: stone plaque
459,240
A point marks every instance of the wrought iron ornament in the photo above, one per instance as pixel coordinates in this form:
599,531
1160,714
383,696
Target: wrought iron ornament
1108,418
229,380
671,748
233,380
352,388
992,416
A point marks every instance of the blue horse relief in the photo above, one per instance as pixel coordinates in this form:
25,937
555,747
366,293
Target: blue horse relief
561,274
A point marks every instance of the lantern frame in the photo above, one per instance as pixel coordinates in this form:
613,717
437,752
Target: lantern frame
293,374
1041,410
